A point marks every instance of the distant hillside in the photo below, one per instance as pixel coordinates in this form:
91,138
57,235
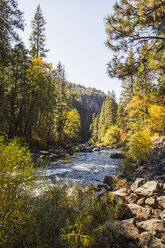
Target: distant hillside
87,101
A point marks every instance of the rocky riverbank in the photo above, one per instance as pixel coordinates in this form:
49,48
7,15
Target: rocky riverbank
143,193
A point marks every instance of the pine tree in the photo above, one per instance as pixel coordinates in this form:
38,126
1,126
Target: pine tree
102,129
94,127
63,102
108,115
10,20
135,25
37,37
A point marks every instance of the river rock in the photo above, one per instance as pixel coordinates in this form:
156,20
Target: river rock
108,180
45,153
149,188
138,182
151,225
117,155
96,149
53,156
139,212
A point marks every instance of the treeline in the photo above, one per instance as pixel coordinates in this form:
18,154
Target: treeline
105,122
36,100
136,35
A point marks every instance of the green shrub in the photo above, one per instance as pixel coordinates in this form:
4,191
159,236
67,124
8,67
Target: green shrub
16,183
112,136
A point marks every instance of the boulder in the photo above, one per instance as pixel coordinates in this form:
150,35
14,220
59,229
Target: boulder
161,201
139,212
147,240
127,237
151,201
117,155
149,188
138,182
121,193
108,180
151,225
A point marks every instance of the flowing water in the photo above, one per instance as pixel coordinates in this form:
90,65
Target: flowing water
84,168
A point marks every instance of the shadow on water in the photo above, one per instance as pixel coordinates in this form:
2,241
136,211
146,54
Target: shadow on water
84,168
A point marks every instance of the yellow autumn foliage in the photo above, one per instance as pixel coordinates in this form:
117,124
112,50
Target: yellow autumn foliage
157,118
140,146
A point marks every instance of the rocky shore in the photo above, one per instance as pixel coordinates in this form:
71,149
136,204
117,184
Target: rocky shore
143,193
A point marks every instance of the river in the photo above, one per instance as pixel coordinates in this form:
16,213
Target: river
84,168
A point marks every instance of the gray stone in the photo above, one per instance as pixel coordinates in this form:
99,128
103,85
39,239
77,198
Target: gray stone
151,225
149,188
140,212
138,182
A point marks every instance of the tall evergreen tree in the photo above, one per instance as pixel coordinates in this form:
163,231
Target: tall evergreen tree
11,19
94,127
133,25
37,37
108,115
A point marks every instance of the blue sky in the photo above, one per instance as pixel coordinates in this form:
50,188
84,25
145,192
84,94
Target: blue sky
75,35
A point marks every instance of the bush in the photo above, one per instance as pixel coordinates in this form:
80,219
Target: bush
112,136
17,178
62,220
140,146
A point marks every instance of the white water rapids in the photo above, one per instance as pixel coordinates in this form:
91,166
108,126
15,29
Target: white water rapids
84,168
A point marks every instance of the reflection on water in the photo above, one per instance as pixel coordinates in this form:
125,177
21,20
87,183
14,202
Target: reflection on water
84,168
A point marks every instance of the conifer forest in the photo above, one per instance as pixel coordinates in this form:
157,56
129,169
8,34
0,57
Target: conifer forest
46,121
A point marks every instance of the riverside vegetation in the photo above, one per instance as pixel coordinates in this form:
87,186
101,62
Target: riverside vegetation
38,105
